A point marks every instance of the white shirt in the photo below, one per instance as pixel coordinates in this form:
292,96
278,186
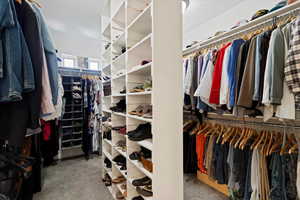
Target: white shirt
224,90
203,90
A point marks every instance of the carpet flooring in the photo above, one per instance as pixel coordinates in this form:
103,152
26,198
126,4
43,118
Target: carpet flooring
79,179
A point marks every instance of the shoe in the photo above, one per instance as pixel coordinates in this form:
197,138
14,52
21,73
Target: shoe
119,195
139,88
145,191
120,106
76,96
142,134
123,168
142,182
147,112
138,111
135,156
147,85
121,143
144,62
117,128
142,127
107,163
146,153
123,91
120,179
119,159
138,198
76,88
147,164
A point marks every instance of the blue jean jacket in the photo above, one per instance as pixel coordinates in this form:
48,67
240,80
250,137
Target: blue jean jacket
50,53
16,71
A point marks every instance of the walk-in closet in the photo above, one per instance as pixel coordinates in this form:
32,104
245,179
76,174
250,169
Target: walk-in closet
149,100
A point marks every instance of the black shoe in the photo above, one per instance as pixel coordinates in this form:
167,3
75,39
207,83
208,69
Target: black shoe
139,128
138,198
135,156
145,191
142,182
141,134
107,163
120,106
119,159
146,153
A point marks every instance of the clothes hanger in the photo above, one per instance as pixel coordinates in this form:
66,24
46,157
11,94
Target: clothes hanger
256,140
19,1
245,139
239,139
35,2
220,134
230,133
264,145
235,136
276,144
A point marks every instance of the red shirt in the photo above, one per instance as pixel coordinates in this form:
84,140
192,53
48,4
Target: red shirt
214,97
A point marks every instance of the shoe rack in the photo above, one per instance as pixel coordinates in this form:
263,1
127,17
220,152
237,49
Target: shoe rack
145,30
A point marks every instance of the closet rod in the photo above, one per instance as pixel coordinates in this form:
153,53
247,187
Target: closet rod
283,12
258,124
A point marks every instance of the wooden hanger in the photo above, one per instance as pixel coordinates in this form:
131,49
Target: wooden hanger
19,1
264,137
276,144
242,135
220,134
235,137
231,132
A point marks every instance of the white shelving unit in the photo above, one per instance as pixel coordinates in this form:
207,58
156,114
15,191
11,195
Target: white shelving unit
141,30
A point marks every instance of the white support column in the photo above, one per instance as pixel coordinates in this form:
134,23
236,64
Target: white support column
167,100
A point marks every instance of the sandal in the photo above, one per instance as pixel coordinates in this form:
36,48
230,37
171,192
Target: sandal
138,111
147,112
139,88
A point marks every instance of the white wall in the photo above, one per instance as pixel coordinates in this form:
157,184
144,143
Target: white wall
224,21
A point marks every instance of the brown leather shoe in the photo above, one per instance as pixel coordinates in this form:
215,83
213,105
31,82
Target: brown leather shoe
147,164
120,179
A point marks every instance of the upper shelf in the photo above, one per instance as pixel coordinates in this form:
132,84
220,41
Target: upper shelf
140,27
134,8
119,16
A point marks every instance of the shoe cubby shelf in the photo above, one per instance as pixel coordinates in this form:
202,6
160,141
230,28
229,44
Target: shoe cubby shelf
119,16
106,69
108,142
141,70
107,32
145,50
106,110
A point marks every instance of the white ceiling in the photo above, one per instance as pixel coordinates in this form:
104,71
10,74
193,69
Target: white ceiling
76,24
201,11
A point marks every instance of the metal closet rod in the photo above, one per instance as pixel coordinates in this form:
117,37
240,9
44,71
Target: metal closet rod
258,124
260,22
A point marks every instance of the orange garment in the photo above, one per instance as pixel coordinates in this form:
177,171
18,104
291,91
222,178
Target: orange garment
200,149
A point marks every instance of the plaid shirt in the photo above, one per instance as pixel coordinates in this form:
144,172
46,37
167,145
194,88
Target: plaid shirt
292,68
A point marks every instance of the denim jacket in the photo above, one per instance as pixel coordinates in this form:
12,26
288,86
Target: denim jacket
50,52
16,71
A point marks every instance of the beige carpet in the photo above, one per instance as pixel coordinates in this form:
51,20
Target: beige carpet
81,180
